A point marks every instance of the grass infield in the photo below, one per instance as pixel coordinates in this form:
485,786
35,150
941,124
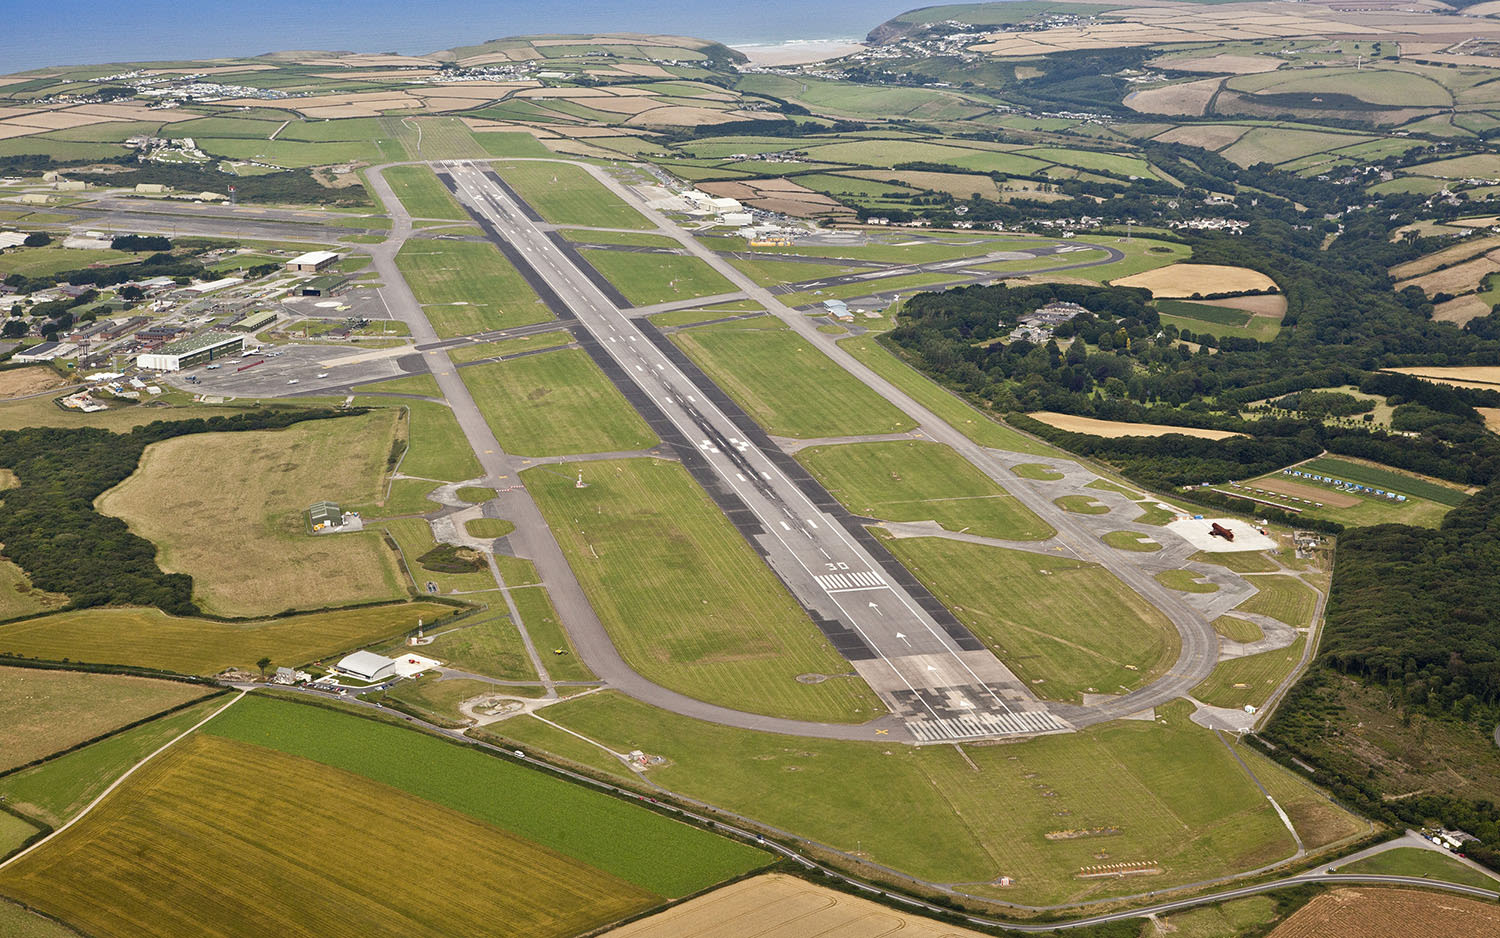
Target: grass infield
684,596
921,481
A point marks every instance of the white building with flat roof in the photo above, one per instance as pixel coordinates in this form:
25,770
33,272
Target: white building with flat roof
367,666
311,262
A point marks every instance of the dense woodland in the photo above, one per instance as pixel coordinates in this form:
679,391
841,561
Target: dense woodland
49,527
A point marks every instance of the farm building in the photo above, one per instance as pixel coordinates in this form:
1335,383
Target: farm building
324,515
367,666
311,262
194,350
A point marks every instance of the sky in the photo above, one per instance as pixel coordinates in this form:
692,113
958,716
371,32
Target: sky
37,33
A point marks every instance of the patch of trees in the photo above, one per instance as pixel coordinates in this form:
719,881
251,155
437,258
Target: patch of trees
296,186
37,239
1325,404
450,558
133,243
49,527
155,265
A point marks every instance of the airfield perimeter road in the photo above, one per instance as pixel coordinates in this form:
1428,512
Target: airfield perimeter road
1200,643
940,679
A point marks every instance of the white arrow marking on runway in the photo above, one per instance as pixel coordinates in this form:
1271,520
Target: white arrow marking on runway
877,609
902,636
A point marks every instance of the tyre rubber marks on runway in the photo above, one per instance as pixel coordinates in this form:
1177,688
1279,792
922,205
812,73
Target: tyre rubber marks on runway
845,582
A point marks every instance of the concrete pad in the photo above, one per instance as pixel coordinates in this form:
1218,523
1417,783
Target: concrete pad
1246,536
1229,719
408,664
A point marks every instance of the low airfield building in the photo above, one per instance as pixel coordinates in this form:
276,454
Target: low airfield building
367,666
311,262
194,350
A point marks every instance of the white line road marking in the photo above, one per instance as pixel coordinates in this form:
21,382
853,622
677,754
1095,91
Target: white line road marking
786,526
812,522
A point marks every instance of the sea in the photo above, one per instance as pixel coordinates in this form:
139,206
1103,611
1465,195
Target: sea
40,33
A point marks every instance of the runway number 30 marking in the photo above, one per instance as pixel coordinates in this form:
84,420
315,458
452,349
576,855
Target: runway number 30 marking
837,566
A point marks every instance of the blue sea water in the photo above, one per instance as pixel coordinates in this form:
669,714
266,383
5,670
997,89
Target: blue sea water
37,33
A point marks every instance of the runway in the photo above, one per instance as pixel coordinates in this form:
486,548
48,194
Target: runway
934,674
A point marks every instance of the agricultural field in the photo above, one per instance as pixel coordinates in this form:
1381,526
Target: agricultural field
24,382
555,403
1375,910
59,788
779,906
1187,280
1063,626
1115,428
422,194
1220,319
19,598
467,286
191,817
150,638
20,923
45,711
920,481
1388,479
677,587
257,556
565,194
646,279
789,387
653,852
1175,795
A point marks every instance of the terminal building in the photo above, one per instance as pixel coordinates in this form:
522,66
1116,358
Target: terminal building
311,262
194,350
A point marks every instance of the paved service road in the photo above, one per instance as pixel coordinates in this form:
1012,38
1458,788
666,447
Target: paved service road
936,676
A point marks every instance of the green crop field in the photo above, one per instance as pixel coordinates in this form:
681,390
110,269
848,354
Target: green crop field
1251,679
1064,626
921,481
1173,791
646,279
1430,864
46,711
214,812
1218,315
1259,328
653,852
422,194
788,386
1384,479
685,597
949,408
467,287
554,404
565,194
1130,540
258,557
1283,598
59,788
152,639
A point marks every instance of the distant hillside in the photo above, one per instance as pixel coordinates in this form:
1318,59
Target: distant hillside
915,21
